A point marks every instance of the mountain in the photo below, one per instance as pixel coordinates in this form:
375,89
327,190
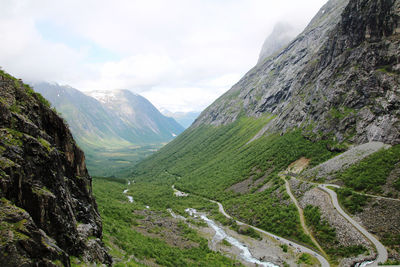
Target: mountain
48,214
183,118
115,131
116,117
281,35
320,114
140,116
90,122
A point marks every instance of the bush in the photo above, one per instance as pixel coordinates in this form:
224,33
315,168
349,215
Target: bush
369,174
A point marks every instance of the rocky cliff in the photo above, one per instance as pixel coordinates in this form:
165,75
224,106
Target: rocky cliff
47,211
339,79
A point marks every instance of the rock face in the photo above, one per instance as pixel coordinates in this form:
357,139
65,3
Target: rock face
338,79
47,211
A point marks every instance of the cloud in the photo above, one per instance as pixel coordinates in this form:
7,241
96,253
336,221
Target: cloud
181,54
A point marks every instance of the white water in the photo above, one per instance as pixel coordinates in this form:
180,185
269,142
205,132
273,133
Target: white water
220,234
129,197
363,264
176,216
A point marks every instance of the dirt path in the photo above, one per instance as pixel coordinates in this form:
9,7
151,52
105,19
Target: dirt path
297,167
300,210
382,254
368,195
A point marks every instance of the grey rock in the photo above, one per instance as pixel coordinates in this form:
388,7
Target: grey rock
45,188
338,79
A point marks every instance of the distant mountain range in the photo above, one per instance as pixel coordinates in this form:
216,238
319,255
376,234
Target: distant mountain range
111,121
183,118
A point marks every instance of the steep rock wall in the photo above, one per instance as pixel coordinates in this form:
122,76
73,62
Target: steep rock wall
48,212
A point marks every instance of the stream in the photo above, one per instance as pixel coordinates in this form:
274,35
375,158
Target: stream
129,197
220,234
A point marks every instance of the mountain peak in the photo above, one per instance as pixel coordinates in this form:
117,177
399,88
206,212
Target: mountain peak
281,35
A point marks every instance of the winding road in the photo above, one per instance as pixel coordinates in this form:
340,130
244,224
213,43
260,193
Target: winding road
381,250
382,254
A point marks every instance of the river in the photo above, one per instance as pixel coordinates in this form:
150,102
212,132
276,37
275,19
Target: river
220,234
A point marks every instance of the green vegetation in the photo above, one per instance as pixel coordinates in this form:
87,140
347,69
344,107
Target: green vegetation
305,258
11,230
45,144
390,262
392,240
207,160
114,160
12,137
38,96
349,251
250,232
284,248
18,83
397,184
371,173
321,228
124,239
226,243
15,108
340,113
265,210
351,201
326,235
387,69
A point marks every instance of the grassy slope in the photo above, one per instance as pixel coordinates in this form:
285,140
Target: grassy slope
207,160
372,172
371,175
115,161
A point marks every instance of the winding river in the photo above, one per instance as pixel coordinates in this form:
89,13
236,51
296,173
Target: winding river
220,234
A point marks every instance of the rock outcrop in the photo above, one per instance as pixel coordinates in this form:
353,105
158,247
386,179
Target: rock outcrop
339,79
47,211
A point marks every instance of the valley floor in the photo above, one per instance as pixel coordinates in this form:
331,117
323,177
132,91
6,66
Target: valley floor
263,190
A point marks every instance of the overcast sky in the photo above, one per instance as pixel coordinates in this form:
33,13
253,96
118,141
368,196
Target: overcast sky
180,54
